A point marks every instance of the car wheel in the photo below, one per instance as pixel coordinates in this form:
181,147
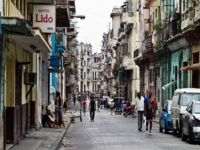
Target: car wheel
166,131
174,131
160,128
183,137
191,141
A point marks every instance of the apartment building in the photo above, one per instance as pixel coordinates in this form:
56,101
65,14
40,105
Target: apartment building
84,65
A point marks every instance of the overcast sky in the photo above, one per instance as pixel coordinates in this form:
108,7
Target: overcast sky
97,20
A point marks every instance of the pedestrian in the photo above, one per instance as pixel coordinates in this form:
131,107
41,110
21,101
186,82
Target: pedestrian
74,99
149,112
98,105
65,106
58,110
111,107
84,106
92,107
139,103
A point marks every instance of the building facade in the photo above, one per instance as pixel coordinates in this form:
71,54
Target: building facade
84,64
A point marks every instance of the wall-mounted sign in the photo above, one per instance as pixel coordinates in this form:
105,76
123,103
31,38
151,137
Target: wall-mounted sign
44,17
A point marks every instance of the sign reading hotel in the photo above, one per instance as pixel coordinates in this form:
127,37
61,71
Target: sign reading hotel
44,17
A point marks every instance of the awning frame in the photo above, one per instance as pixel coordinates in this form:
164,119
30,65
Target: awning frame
190,68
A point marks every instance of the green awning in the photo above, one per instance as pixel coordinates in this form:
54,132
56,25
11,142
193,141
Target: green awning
16,26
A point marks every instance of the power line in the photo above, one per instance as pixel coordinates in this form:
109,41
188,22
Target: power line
99,5
92,13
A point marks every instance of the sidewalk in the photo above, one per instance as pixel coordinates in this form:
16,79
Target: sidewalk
46,138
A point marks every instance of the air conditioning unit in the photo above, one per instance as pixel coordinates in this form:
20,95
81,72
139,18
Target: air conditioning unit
30,78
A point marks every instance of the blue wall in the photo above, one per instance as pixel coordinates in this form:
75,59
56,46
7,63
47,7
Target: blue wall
53,40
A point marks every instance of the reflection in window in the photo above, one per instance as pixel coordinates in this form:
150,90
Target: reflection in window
188,97
197,109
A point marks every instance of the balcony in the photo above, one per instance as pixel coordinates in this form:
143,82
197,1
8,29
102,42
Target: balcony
124,41
188,20
71,79
94,79
197,13
160,36
124,17
148,43
130,19
88,78
95,65
128,63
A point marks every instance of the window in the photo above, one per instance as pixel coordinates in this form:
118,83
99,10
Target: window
84,76
151,75
188,97
197,108
195,58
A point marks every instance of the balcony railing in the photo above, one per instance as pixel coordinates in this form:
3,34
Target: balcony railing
128,63
124,17
188,19
148,43
160,36
197,12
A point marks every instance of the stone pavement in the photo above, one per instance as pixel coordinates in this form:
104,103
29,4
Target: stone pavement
46,138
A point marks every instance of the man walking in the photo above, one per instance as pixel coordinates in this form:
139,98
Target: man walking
139,103
74,99
92,107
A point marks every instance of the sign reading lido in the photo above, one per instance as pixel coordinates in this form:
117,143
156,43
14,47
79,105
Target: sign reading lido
44,17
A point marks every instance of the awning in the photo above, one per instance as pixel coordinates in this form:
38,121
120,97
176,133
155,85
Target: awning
51,70
32,44
190,68
168,85
62,16
16,26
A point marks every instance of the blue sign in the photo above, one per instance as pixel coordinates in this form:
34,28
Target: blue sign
0,25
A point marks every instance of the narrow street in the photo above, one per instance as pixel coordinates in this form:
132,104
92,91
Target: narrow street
114,132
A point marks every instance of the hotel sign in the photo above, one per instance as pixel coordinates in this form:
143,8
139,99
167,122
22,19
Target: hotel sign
44,17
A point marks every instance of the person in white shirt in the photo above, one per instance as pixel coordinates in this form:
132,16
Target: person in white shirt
139,103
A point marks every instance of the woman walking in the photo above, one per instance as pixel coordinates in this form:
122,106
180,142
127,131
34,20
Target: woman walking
139,103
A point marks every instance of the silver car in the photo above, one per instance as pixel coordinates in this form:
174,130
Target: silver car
191,122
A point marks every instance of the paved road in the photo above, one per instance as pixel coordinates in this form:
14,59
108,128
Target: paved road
114,132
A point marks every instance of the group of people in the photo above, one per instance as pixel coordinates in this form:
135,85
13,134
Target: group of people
56,107
146,106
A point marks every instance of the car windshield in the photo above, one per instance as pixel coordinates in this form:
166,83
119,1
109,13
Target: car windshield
197,108
188,97
169,106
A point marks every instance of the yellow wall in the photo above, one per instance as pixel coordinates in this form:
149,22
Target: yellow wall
14,53
10,82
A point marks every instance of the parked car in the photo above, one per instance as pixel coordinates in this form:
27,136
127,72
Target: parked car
191,122
165,118
180,101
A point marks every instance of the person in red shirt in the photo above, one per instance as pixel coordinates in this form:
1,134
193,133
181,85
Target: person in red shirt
84,105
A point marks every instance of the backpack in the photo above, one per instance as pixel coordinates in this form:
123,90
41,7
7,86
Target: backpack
146,100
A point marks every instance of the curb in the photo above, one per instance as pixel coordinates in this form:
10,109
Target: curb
62,135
